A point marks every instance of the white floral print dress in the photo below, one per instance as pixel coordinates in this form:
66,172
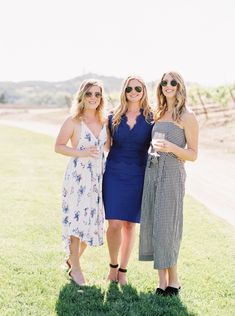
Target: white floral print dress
82,205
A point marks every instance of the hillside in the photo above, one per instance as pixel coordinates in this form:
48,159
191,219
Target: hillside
38,94
50,93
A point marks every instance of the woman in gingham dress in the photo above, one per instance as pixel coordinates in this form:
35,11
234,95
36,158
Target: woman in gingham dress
175,136
83,214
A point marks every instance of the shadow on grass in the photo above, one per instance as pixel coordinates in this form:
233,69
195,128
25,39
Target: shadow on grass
116,301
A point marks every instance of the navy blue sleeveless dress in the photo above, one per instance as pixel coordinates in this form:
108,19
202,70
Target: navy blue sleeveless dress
125,167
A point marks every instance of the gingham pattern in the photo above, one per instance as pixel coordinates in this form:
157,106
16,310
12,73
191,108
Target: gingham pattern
162,203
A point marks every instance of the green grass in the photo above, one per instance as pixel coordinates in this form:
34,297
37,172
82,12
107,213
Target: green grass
32,281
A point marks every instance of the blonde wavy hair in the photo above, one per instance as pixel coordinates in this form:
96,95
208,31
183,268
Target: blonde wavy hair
123,107
180,102
78,104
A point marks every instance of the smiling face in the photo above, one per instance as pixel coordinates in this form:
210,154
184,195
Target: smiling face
169,90
92,98
134,91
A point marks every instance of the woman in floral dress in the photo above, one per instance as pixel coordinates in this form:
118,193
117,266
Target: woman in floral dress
83,215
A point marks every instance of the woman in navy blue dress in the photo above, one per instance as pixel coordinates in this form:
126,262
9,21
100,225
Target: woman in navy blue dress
130,127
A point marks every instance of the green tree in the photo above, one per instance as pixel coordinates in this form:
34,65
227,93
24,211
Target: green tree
3,98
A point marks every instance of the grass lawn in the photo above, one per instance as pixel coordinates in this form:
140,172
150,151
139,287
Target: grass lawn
32,280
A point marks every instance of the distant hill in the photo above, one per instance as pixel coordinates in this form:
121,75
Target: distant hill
55,94
51,93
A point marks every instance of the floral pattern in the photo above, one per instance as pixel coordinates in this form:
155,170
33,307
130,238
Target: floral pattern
82,205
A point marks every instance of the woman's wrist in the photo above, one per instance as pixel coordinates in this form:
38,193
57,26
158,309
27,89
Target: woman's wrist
79,153
174,149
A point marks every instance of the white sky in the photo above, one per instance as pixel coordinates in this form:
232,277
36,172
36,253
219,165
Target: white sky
56,40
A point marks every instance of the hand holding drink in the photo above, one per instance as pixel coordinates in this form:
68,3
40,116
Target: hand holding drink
155,141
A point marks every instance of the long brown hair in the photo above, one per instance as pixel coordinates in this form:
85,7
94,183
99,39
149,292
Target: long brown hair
180,102
122,108
78,104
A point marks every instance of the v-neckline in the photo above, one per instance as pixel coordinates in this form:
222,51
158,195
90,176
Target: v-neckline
136,120
98,137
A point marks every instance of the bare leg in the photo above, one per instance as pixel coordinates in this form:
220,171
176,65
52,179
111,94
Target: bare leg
173,278
82,247
127,244
163,278
114,242
76,272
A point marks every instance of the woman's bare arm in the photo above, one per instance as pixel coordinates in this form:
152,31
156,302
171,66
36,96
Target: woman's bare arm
65,134
191,129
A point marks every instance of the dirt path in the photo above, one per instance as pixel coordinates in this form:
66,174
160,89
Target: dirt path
210,180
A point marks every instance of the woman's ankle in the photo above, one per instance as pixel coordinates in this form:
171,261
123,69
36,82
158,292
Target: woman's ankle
162,286
175,284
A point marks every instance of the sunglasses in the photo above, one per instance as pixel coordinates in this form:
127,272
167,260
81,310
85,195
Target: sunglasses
90,94
137,89
164,83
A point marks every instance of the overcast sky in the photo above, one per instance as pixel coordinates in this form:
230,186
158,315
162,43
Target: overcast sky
56,40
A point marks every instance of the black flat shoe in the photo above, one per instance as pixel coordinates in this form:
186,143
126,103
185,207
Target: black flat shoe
160,291
172,291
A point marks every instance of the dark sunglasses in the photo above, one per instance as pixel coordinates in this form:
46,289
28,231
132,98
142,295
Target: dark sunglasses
164,83
137,89
90,94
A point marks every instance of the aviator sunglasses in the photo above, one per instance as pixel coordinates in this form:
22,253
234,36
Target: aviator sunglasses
137,89
90,94
164,83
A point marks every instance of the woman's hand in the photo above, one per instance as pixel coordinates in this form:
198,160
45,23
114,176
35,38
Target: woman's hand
92,151
164,146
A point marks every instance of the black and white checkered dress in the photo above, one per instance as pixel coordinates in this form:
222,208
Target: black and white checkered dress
162,202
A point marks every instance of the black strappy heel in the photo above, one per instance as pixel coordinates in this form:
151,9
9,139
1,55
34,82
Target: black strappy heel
68,265
114,266
123,271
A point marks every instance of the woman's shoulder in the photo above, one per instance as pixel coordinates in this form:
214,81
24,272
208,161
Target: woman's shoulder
188,113
149,117
109,116
108,119
188,117
71,122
